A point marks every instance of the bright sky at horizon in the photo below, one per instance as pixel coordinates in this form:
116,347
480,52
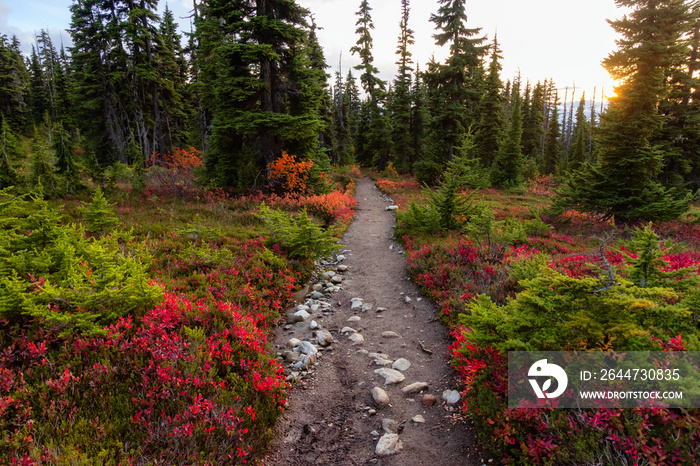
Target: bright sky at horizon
560,39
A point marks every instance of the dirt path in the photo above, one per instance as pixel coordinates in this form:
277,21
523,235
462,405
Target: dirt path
332,417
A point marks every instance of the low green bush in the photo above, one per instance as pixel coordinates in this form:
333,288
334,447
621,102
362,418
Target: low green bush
54,274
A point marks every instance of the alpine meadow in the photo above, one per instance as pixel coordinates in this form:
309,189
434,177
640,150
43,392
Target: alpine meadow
178,196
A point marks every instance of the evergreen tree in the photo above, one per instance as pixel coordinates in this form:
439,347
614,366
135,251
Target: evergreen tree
489,131
680,134
507,171
64,150
11,153
14,83
342,153
38,95
455,86
65,95
98,63
368,79
374,142
254,69
420,117
401,108
552,140
579,143
533,125
624,183
312,77
42,165
170,86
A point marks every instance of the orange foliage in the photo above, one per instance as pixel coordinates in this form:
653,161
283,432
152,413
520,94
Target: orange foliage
354,171
392,188
179,159
542,185
291,174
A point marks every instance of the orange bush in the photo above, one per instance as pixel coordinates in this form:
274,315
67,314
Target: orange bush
289,173
542,185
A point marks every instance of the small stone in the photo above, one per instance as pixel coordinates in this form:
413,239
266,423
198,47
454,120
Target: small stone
415,387
401,365
290,356
381,309
391,376
451,396
428,400
303,307
294,318
407,299
355,319
303,314
380,397
317,287
342,268
371,412
378,356
391,247
356,305
313,325
389,426
356,338
293,342
314,307
324,338
391,207
337,279
382,362
315,295
367,307
374,433
340,258
389,444
307,348
348,330
418,419
390,334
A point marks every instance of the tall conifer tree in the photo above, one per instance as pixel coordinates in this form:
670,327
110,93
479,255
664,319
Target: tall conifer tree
489,130
507,171
624,183
252,55
401,108
455,86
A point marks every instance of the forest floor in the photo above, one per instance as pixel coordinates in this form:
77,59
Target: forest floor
332,418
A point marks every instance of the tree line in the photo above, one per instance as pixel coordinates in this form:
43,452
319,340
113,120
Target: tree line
250,81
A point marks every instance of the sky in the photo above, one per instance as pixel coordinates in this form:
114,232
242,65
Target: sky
560,39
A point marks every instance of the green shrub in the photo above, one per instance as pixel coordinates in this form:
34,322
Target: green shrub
99,215
52,273
298,235
555,312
